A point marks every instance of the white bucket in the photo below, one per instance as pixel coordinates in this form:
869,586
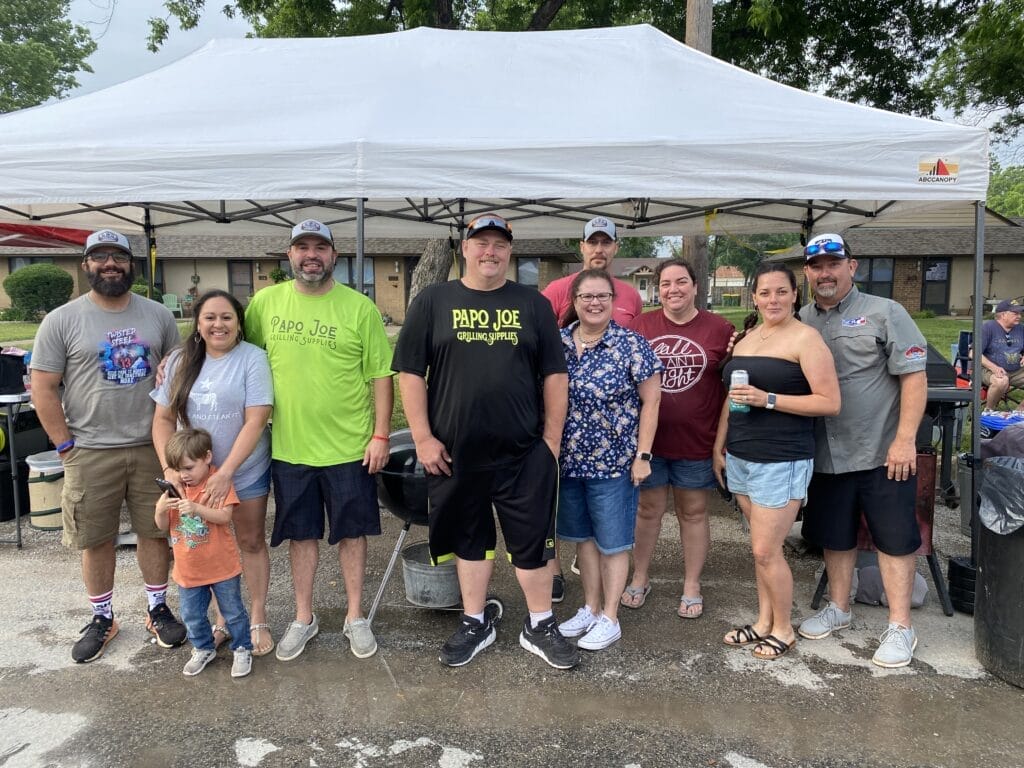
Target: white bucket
45,484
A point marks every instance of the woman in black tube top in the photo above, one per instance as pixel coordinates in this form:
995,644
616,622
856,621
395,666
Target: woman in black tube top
766,452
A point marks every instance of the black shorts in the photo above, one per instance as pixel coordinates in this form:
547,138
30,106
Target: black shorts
835,503
302,493
523,494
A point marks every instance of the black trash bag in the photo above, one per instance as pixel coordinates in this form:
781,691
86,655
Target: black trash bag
1002,494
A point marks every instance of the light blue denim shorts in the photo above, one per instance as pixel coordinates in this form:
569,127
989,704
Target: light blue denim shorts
680,473
260,487
772,485
603,510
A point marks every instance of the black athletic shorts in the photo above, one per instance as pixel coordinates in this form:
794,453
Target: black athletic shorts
347,492
835,504
523,494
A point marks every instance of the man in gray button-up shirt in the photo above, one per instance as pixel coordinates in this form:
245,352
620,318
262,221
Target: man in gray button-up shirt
865,459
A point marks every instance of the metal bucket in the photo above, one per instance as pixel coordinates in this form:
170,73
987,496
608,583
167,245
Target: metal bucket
45,484
426,585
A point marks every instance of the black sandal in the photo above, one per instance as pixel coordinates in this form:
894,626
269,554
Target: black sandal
744,635
777,648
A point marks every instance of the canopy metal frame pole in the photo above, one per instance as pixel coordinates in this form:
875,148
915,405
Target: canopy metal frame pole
979,273
360,242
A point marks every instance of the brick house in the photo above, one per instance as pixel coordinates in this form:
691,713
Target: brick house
188,265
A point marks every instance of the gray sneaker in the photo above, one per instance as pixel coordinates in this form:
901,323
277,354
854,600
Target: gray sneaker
242,665
896,648
360,638
198,662
825,622
295,638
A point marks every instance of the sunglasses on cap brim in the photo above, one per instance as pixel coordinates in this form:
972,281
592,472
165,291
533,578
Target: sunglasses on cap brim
489,221
831,248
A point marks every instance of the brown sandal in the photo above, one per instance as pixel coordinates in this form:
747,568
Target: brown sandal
225,636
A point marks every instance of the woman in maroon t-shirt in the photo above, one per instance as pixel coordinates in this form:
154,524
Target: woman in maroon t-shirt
691,344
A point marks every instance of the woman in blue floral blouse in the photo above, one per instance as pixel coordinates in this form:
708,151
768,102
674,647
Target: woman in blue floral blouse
614,391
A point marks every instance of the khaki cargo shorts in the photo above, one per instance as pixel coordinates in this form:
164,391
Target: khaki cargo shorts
97,481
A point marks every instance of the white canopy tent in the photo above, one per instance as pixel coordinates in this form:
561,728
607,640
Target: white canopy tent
432,126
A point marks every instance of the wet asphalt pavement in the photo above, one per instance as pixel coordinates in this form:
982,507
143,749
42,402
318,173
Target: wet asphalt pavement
668,694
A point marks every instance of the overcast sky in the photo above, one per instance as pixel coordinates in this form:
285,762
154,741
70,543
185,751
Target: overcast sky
120,29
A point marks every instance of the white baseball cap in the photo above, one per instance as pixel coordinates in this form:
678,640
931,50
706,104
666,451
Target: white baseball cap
314,228
107,238
599,224
827,245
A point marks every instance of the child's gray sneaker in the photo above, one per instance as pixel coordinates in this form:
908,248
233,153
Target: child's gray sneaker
242,665
295,638
896,648
825,622
198,662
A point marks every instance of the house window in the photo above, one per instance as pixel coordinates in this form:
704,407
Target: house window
344,272
17,262
874,276
285,266
142,270
528,272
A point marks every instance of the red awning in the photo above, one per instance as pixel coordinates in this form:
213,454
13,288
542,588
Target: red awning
37,236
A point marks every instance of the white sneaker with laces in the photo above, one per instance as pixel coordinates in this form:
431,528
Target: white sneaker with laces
198,662
242,665
601,635
579,624
896,647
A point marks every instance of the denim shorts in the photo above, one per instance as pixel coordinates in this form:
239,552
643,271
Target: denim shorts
680,473
602,510
772,485
259,487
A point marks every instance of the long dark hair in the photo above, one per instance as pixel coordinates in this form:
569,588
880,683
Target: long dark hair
571,316
193,353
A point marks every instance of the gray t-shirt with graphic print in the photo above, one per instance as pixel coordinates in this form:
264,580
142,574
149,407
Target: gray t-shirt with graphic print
107,360
224,388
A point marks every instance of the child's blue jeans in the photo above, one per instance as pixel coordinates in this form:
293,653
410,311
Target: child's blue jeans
195,602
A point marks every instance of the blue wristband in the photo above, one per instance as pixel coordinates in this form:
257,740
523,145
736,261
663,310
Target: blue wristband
64,447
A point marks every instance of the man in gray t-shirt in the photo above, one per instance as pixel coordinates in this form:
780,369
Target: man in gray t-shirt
105,346
865,457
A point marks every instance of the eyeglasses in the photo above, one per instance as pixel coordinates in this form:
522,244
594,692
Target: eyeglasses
586,298
100,258
831,247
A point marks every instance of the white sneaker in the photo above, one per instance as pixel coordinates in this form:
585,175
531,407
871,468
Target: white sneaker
601,635
360,638
198,662
896,647
579,624
242,665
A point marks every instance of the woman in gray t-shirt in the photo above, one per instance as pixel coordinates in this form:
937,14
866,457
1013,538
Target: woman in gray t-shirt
218,382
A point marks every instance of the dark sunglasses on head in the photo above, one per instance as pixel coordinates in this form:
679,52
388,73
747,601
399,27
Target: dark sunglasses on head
488,221
829,247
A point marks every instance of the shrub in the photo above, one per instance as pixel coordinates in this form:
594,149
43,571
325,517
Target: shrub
38,289
278,275
139,287
923,314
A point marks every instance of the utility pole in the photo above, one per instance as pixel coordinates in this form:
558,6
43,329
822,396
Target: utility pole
698,36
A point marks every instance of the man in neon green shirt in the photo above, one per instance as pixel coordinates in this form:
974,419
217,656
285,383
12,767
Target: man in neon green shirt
327,347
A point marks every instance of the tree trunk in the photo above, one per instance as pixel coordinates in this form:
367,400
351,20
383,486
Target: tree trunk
544,15
698,36
434,266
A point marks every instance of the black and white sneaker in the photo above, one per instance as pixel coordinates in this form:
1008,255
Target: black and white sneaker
547,642
95,636
557,588
469,639
169,632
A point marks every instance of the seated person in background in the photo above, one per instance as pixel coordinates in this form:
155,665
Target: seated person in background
1002,341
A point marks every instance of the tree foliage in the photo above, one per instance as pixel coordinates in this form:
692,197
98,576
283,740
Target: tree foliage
983,70
40,52
748,252
1006,190
38,289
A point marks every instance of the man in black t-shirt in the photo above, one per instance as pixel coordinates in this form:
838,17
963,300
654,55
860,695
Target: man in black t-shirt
484,386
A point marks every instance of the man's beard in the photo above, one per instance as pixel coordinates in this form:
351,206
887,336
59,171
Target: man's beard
112,287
